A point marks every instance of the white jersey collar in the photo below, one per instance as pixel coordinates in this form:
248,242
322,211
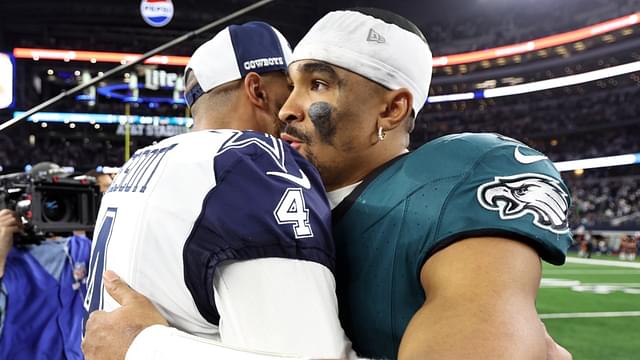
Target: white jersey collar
336,196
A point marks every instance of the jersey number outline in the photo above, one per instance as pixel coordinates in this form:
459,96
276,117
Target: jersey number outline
292,209
95,292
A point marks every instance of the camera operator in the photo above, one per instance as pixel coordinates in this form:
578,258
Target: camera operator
42,289
103,179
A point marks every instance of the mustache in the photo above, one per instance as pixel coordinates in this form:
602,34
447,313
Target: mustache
292,131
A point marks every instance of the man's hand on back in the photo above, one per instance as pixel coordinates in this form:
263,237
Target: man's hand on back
110,334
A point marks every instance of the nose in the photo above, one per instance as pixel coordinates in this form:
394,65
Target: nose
291,110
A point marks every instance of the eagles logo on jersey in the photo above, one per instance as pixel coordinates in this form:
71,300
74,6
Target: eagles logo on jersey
536,194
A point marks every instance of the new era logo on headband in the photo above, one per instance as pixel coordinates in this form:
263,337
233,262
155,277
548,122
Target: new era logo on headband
374,36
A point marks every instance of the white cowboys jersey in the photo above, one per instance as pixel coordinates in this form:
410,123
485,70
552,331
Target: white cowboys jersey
183,209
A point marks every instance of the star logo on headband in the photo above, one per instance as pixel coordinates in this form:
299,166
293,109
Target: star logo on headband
374,36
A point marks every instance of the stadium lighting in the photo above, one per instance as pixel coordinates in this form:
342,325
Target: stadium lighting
451,97
96,119
599,162
537,44
541,85
95,56
563,81
438,61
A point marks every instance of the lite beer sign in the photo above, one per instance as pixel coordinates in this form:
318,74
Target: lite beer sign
155,79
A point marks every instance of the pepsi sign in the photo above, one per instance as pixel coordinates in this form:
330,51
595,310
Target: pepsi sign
156,13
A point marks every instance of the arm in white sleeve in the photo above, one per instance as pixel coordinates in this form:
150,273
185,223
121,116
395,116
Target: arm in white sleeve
165,343
280,305
272,305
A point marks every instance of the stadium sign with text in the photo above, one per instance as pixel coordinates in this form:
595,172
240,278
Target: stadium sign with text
7,81
148,86
156,13
156,79
159,131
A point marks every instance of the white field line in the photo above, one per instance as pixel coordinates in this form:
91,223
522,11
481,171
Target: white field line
611,284
607,314
590,272
625,264
548,282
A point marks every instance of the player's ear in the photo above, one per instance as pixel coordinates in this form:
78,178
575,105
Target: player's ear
254,87
397,107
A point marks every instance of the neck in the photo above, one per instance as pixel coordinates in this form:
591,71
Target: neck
212,119
360,166
221,111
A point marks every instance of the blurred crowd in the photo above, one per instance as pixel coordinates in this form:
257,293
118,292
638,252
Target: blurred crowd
80,152
495,29
606,202
594,124
623,245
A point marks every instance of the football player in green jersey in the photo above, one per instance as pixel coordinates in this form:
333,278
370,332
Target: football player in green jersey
438,249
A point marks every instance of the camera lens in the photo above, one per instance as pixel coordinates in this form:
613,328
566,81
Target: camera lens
55,208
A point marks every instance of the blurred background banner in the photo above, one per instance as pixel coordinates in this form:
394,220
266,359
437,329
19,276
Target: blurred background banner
7,81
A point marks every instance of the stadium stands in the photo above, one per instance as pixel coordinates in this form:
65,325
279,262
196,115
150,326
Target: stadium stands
600,118
461,34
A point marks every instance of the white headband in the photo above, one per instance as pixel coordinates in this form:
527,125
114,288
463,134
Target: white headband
379,51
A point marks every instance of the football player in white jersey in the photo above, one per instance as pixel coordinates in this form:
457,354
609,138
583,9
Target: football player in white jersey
227,232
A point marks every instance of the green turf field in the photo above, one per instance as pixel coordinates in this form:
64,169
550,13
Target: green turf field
593,310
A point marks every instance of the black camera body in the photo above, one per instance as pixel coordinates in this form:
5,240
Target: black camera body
50,205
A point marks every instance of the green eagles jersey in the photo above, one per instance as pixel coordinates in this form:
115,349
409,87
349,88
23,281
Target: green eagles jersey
452,188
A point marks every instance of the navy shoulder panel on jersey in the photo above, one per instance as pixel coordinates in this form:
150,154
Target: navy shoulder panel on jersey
268,202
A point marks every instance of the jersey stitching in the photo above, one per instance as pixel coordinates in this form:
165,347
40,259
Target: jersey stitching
404,199
274,245
466,176
277,153
343,207
394,334
192,231
241,156
196,224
